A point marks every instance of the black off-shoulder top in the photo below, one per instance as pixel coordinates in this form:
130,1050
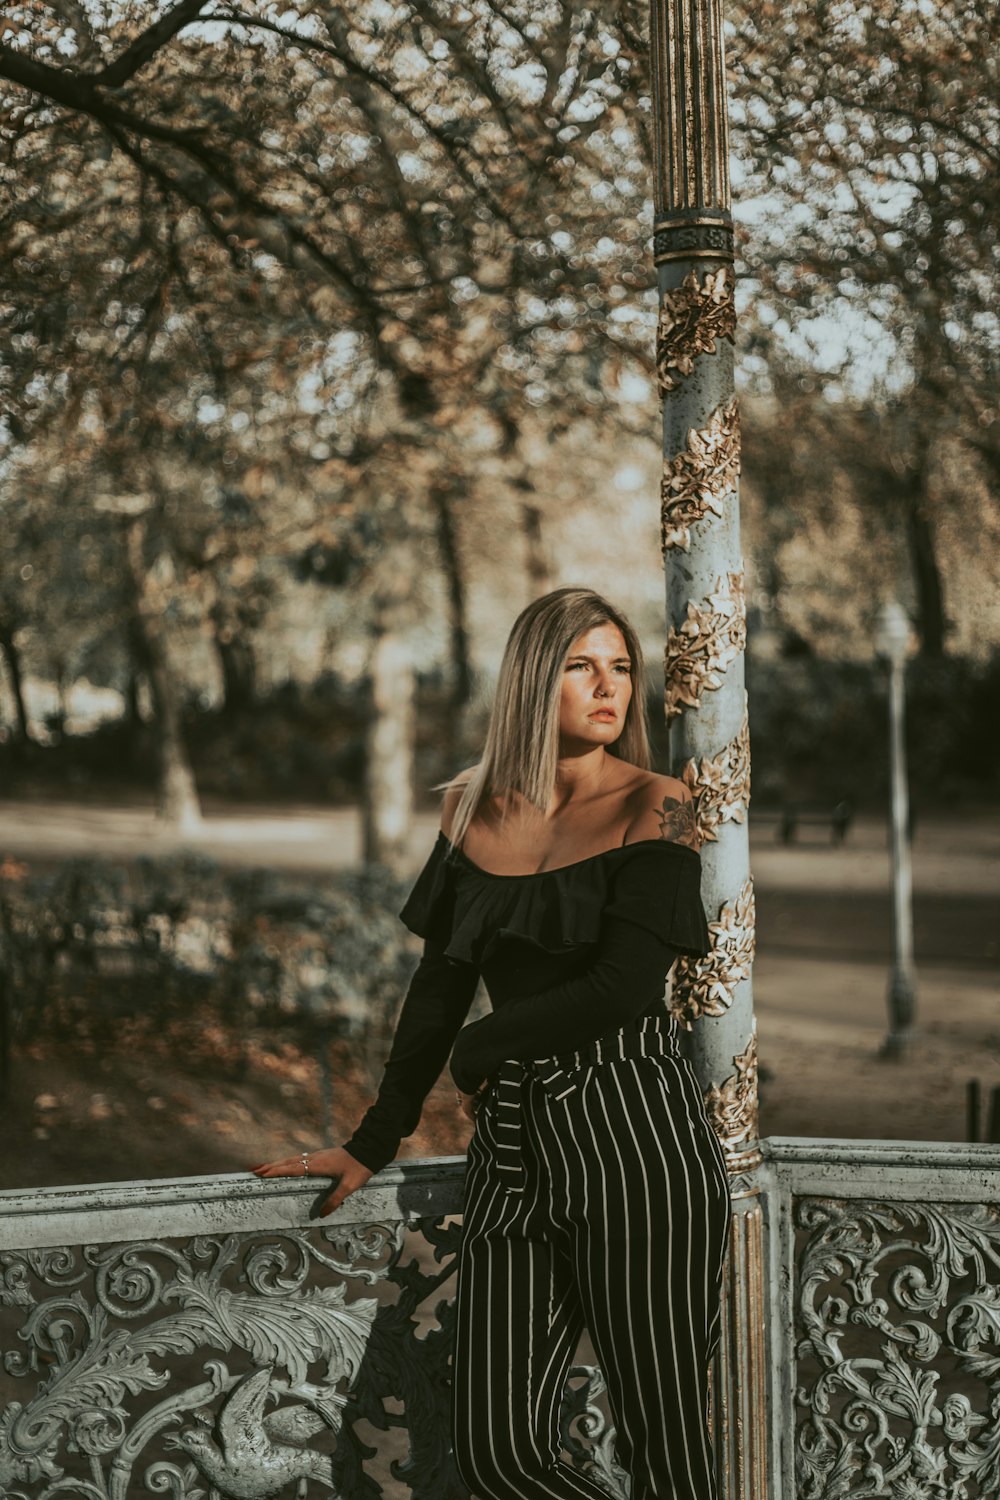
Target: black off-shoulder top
567,955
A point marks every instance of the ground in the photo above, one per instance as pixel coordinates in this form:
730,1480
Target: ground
103,1102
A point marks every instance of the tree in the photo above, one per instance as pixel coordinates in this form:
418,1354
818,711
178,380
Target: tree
358,213
397,183
872,131
255,252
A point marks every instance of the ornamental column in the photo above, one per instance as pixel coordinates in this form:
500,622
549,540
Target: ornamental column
705,696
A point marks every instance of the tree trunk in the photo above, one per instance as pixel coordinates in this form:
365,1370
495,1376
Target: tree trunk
138,673
132,715
461,671
387,813
236,660
537,558
177,798
12,657
62,694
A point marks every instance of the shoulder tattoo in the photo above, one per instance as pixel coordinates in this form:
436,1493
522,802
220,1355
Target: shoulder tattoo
678,822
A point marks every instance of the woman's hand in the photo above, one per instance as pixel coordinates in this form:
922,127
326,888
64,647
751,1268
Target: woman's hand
332,1161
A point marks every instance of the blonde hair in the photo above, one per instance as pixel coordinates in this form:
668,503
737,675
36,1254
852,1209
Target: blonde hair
522,740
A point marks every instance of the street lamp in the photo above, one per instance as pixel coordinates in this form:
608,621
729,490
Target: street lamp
892,639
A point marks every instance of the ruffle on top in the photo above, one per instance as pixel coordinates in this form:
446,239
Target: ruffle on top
654,883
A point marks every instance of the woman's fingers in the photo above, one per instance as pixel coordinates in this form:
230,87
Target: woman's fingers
351,1178
330,1162
288,1166
336,1198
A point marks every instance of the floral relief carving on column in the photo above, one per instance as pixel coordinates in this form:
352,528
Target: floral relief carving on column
709,640
720,784
694,317
698,480
732,1109
706,986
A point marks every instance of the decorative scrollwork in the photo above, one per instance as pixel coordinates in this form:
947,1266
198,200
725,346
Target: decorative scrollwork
897,1310
706,986
243,1366
128,1282
123,1353
698,653
379,1244
699,479
57,1267
693,318
720,785
732,1109
586,1436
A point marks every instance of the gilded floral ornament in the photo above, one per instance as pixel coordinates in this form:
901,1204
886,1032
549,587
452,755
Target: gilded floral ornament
699,479
698,653
693,318
720,785
732,1109
707,986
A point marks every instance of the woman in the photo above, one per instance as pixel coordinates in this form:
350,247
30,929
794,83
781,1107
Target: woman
566,874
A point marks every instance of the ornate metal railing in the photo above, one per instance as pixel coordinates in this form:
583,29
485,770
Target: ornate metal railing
207,1337
150,1328
885,1319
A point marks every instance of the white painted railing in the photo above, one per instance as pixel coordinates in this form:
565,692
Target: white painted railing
211,1336
884,1262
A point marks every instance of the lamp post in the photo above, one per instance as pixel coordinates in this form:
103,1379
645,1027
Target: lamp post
892,639
705,699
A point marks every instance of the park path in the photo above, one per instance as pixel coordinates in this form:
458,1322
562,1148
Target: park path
951,855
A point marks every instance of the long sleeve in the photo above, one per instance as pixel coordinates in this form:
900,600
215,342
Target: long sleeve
436,1004
625,978
653,912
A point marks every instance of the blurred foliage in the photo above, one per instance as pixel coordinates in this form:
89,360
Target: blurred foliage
303,743
182,937
868,149
819,731
868,142
809,714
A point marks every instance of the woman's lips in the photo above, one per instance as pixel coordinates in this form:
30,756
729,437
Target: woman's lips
604,713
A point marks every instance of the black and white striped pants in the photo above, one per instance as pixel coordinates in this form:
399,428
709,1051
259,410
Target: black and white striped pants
607,1207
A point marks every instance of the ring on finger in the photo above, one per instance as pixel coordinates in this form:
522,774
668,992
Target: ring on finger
304,1159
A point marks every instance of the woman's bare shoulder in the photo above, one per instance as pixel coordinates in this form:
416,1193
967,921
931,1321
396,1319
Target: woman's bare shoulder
661,807
452,797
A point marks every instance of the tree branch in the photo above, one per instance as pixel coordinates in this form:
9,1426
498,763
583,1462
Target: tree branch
146,45
81,94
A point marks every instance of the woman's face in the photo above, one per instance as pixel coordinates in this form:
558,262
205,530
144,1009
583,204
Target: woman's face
596,687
